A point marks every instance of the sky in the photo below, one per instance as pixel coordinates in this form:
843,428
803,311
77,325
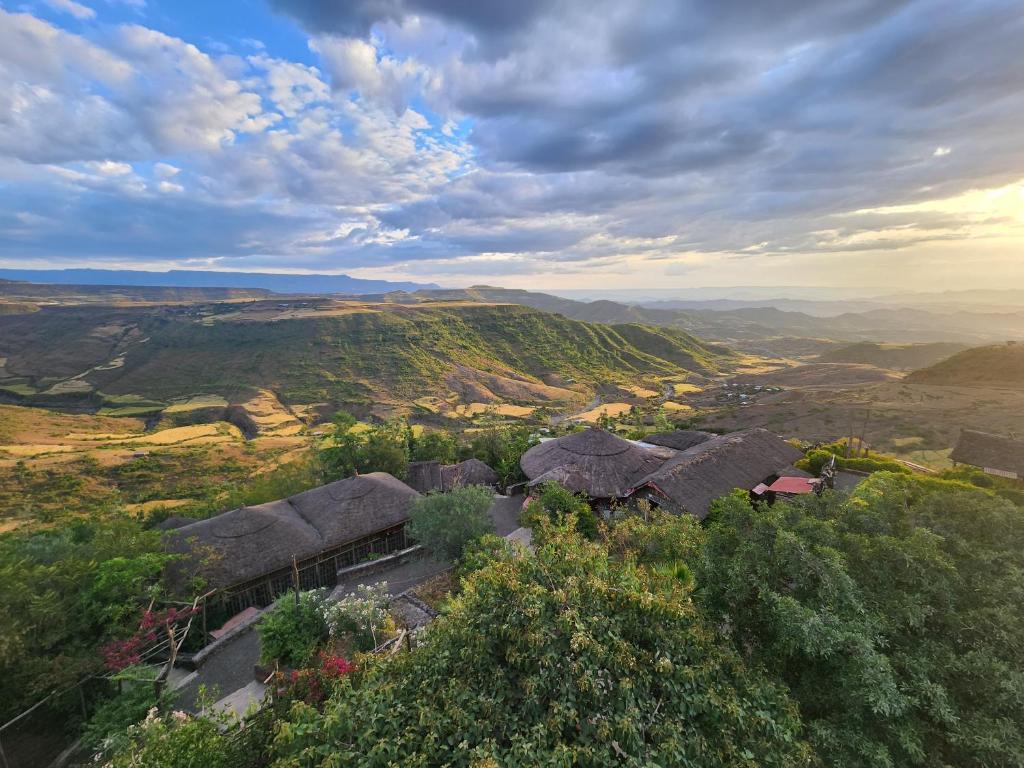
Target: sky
537,144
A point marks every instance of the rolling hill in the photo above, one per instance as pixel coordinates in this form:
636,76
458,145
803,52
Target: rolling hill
334,352
1000,366
748,328
896,357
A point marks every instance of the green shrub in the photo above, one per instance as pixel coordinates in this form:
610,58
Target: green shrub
481,552
556,503
292,632
181,741
817,458
445,522
106,731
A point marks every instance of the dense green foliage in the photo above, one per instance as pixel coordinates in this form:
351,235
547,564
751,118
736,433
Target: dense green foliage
383,447
106,732
386,446
816,458
894,618
566,658
180,741
1001,486
63,594
500,448
434,446
445,522
295,629
555,504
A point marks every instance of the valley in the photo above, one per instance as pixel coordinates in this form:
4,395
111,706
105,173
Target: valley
112,394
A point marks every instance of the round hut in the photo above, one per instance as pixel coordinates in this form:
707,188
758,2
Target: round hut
593,462
468,472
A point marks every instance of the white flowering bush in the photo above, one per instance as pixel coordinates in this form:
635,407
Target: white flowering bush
360,619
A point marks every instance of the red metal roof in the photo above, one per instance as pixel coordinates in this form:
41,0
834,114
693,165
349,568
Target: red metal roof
792,485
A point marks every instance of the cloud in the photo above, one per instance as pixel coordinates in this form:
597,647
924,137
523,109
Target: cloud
529,136
79,11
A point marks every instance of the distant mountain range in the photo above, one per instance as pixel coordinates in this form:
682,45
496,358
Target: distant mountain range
185,278
749,328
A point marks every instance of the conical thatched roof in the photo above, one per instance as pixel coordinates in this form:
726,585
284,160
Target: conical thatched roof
710,470
249,542
424,476
679,439
468,472
594,462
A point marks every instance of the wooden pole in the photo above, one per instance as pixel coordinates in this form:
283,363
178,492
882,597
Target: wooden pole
864,430
295,579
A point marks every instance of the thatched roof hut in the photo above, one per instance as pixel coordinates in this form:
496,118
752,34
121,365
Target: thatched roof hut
594,462
250,542
679,439
994,454
468,472
699,475
424,476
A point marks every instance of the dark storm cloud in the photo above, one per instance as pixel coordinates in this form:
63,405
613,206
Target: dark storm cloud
354,18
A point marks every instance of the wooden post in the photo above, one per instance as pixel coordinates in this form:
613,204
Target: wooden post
206,634
863,431
295,580
81,700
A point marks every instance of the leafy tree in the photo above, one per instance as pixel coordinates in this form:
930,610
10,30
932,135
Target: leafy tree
563,658
341,457
380,448
385,448
64,593
445,522
501,448
893,617
434,446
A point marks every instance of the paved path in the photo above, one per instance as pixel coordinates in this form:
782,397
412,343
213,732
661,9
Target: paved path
505,513
226,671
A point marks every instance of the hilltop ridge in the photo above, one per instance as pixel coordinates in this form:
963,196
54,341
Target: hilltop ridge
1000,365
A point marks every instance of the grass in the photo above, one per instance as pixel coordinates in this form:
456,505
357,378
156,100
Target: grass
500,409
607,409
195,403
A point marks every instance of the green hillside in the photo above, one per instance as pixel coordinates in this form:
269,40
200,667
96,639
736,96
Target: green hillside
336,352
995,366
897,357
